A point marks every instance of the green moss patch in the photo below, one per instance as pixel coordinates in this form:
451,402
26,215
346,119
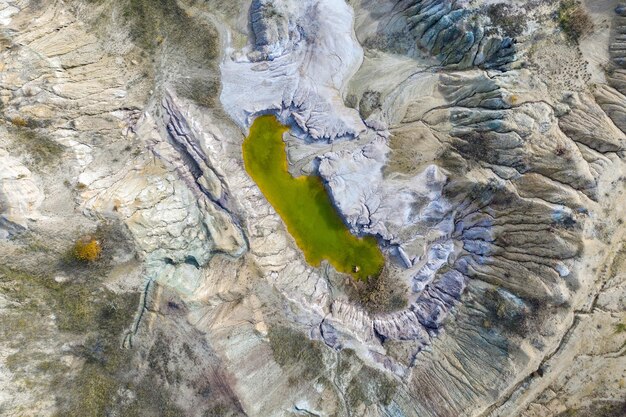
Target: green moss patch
305,207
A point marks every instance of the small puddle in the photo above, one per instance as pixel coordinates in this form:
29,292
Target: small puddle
305,206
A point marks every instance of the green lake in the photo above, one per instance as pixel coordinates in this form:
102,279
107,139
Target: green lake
305,206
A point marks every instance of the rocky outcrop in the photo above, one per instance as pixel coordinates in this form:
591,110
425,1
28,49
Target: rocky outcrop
303,55
391,208
516,140
587,123
612,103
426,316
448,30
208,186
272,29
20,197
617,50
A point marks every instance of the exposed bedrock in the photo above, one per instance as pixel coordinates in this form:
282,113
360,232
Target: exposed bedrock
447,29
520,219
485,229
497,124
511,215
396,209
176,205
427,314
517,243
613,104
271,29
482,194
588,124
617,50
519,199
304,53
610,96
516,142
20,197
204,180
351,326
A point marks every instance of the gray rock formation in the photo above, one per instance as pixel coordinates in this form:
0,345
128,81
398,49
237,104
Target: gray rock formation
270,27
448,30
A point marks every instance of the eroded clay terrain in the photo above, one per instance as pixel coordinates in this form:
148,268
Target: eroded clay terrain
481,142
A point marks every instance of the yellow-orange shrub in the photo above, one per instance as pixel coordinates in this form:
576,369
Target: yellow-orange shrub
19,121
87,249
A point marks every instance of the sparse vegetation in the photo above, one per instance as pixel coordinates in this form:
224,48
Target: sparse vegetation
503,15
21,121
78,309
77,306
351,101
98,318
369,103
379,294
218,410
102,387
271,12
201,90
620,328
156,22
94,393
176,29
597,409
93,253
512,315
406,156
574,19
293,349
369,387
402,351
560,150
42,150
